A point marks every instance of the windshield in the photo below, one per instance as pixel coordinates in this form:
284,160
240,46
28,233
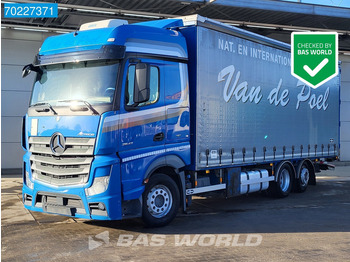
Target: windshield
90,81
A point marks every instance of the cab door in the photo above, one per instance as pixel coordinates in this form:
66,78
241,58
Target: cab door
142,124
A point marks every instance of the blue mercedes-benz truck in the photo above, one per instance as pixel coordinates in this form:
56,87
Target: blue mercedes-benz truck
133,120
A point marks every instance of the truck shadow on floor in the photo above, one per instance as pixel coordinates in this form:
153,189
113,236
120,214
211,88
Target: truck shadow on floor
324,208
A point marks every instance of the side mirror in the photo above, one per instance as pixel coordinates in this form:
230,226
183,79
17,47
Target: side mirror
29,68
141,87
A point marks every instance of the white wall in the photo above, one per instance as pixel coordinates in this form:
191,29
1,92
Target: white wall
18,48
345,108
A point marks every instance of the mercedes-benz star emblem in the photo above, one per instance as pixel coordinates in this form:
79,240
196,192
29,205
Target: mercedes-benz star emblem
57,144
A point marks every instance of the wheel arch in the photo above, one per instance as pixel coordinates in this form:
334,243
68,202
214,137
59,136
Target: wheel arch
280,164
170,165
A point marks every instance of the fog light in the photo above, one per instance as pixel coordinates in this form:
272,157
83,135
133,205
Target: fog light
27,198
101,206
99,186
29,183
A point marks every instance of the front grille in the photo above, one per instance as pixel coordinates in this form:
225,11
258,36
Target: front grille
70,168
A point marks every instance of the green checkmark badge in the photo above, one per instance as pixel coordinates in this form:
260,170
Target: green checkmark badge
314,57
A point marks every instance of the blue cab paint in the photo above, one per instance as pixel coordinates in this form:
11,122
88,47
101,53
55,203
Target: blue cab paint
123,139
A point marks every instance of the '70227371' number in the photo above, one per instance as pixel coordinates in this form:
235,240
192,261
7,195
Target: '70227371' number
30,10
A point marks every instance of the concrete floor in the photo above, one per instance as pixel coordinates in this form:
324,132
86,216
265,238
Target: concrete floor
312,226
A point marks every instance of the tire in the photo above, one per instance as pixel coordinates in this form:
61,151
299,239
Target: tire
283,186
302,181
160,201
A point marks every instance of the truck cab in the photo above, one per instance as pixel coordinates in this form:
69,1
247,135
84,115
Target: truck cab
109,113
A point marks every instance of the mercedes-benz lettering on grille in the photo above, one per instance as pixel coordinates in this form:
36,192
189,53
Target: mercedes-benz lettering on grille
61,161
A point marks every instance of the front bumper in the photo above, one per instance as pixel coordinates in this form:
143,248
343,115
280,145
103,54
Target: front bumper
72,200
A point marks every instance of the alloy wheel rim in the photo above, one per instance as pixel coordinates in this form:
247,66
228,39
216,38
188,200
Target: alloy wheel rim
284,180
304,176
159,201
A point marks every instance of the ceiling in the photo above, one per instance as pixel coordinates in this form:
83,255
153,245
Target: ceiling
272,18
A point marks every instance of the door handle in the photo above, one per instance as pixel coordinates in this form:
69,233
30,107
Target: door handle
158,137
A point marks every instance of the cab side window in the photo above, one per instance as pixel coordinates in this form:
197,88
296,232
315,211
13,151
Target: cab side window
153,84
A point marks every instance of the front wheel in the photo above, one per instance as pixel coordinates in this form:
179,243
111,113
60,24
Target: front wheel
161,200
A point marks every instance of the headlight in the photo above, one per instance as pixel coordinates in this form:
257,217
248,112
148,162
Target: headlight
99,186
29,183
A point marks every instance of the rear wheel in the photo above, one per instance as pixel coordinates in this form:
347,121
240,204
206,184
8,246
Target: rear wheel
283,186
303,179
161,200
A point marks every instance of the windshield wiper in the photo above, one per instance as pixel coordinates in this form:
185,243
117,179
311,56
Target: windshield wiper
88,105
46,107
